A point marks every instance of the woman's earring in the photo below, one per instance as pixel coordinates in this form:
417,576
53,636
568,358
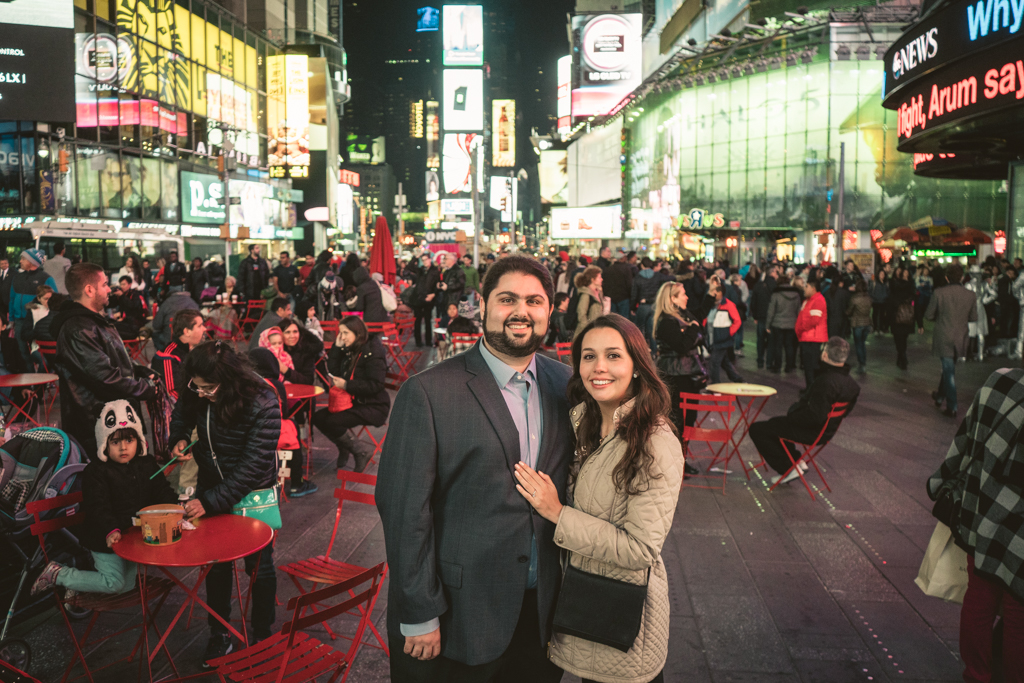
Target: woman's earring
636,374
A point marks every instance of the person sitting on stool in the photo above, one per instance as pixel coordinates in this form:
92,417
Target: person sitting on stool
805,418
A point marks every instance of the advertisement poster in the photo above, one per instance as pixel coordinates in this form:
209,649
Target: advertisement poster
37,60
503,133
202,198
433,185
564,110
428,19
458,150
254,208
433,133
462,35
610,61
505,197
463,98
554,176
288,104
593,222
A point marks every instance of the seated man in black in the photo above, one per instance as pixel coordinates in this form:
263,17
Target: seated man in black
131,309
805,418
188,329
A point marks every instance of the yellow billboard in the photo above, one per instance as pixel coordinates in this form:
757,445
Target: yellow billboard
288,115
503,133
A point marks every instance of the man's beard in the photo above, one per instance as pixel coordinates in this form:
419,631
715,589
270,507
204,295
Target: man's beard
501,342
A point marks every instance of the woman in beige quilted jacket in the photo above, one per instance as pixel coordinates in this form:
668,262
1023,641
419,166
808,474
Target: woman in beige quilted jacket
623,489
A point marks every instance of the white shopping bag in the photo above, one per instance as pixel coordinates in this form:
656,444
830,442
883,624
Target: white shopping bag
943,572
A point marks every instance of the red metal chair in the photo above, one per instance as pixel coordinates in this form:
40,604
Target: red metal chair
156,589
329,327
136,349
294,654
403,362
48,350
254,310
708,404
564,351
813,449
323,570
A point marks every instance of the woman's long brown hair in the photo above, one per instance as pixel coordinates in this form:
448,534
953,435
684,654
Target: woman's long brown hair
632,475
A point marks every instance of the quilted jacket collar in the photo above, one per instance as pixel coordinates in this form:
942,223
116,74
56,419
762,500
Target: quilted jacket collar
621,413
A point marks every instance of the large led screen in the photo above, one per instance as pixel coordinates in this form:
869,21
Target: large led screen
505,197
554,176
462,35
37,58
503,133
427,19
463,108
202,198
564,94
610,61
288,116
589,223
458,156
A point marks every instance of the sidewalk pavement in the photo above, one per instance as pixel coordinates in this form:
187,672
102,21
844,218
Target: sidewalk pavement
766,587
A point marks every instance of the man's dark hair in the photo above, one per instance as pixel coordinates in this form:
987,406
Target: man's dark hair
183,321
560,297
630,255
58,247
278,303
285,253
646,262
465,256
80,275
838,350
954,273
173,251
517,264
813,283
124,278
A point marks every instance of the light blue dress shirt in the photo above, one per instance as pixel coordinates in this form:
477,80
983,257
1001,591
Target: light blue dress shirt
522,396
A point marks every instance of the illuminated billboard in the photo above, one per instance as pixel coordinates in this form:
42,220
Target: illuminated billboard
590,223
456,207
433,133
37,78
505,197
554,176
250,204
288,116
463,99
202,198
428,19
610,61
433,185
503,133
462,35
458,151
564,109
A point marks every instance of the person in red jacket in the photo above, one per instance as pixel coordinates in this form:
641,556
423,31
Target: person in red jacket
811,329
722,322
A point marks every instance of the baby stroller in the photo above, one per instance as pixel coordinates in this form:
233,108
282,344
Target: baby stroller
35,465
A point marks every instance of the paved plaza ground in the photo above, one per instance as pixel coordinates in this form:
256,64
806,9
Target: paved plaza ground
765,587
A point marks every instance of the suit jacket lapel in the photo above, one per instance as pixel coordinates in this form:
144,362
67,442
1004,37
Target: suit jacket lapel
554,422
487,393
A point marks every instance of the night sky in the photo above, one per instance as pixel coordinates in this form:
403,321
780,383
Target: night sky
375,31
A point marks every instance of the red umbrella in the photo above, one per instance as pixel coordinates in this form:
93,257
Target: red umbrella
382,252
905,234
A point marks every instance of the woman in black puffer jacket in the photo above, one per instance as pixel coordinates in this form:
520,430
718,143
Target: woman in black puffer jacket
356,364
368,297
237,414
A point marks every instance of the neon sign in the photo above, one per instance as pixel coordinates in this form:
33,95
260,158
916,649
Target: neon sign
986,15
701,218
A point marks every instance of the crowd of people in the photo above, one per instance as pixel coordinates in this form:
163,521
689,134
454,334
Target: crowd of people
505,474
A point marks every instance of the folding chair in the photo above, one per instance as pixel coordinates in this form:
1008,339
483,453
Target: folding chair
48,350
404,360
254,310
296,655
811,450
322,569
136,349
564,351
329,327
708,404
156,589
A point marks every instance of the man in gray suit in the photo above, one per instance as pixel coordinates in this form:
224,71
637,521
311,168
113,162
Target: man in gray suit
951,307
474,570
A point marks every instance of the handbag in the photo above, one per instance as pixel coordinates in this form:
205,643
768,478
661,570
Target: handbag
905,313
338,399
943,572
600,609
261,504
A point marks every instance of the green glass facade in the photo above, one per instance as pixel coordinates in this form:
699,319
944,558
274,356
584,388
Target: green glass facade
763,149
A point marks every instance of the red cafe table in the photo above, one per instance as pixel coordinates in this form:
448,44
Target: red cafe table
304,396
756,396
220,538
23,381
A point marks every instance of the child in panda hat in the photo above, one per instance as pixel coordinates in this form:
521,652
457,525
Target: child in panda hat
115,486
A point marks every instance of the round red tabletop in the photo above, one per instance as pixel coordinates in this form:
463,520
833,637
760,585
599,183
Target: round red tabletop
298,392
27,379
220,538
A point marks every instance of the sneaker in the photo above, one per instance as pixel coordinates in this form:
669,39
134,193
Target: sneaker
739,353
304,489
220,644
70,595
949,412
689,470
779,479
937,398
48,579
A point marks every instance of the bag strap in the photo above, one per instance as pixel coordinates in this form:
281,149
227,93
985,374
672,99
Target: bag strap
277,464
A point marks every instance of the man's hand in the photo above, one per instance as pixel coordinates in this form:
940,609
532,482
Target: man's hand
428,297
176,452
424,647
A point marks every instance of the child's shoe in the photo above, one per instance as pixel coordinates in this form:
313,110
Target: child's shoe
48,579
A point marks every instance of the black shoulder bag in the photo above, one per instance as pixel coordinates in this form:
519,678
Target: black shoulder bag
600,609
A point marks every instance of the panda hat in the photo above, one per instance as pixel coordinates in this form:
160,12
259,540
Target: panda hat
114,416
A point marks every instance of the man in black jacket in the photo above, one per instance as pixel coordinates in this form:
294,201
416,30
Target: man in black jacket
175,273
618,285
423,304
760,296
131,307
645,290
91,360
451,285
253,274
805,419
